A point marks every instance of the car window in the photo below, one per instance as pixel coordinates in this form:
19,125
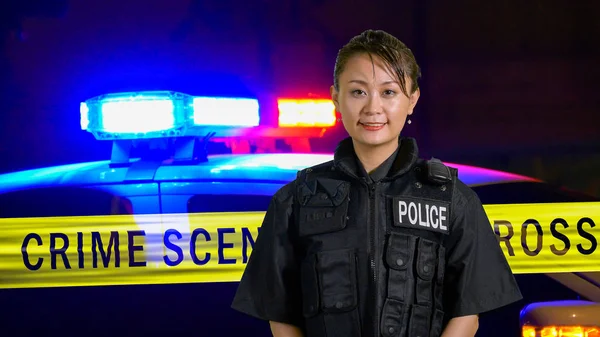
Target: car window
526,192
61,201
203,203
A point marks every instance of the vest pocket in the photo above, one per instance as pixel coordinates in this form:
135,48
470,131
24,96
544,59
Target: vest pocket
310,287
436,324
321,220
337,278
419,325
394,318
325,210
441,265
425,268
426,260
398,258
330,294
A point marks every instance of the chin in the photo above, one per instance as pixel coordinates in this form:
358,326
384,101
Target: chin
375,140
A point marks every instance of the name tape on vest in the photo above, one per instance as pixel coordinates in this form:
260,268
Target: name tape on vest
424,214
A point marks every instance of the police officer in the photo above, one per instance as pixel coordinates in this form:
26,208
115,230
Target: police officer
377,242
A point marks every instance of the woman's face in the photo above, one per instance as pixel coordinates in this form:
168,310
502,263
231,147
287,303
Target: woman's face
373,107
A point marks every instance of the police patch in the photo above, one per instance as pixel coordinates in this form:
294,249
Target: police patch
424,214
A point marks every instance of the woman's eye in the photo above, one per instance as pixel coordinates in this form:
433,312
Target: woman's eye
389,92
358,92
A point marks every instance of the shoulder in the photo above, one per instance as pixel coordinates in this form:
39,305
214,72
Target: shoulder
318,169
468,213
287,193
435,172
464,196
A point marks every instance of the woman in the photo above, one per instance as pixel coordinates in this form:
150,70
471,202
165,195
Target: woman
376,242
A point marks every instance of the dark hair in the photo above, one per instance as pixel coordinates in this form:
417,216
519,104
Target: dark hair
394,53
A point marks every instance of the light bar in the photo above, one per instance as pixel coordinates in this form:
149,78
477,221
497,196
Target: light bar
161,114
306,112
136,115
223,111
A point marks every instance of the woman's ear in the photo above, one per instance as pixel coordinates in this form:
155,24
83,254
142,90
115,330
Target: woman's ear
414,98
334,97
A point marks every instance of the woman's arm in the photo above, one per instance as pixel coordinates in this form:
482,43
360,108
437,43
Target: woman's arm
284,330
465,326
477,278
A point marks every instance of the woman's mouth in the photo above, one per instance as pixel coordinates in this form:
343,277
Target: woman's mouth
372,126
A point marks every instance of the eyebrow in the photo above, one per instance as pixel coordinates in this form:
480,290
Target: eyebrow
363,82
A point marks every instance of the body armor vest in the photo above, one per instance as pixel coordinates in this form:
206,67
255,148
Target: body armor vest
372,254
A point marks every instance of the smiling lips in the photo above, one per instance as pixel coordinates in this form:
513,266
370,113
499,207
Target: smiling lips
372,126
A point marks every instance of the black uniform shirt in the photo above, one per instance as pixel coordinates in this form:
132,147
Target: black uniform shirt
477,276
381,171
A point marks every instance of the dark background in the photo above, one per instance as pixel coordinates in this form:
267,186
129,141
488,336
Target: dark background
508,84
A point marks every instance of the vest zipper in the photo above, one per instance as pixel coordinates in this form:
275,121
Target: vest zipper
373,252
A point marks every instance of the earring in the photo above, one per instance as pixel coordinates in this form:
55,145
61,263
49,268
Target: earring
409,121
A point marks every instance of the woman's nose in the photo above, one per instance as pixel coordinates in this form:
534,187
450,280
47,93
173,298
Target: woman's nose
373,105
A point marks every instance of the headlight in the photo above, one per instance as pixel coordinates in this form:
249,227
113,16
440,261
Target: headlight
561,331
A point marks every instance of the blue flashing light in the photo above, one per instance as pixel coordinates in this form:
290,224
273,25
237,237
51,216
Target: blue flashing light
138,116
223,111
83,112
153,114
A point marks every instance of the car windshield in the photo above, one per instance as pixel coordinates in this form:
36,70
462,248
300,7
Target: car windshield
61,201
527,192
203,203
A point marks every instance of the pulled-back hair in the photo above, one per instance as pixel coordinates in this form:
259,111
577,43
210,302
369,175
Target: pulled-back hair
393,52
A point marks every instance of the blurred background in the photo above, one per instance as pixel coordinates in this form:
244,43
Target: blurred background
507,84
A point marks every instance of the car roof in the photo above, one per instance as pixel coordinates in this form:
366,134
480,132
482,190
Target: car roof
274,168
474,175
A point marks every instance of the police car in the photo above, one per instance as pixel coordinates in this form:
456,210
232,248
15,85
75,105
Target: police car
152,241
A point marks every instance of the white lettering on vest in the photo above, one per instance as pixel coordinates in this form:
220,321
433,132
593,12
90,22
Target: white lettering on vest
422,215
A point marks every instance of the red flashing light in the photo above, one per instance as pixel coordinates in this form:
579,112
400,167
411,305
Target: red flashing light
306,113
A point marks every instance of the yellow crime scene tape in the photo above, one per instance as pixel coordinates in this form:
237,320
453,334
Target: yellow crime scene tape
548,238
126,249
214,247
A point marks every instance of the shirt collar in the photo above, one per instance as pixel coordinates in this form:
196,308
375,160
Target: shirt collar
400,162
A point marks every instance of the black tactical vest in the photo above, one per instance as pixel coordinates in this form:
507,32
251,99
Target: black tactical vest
373,256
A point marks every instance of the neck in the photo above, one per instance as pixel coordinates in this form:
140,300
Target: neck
371,157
